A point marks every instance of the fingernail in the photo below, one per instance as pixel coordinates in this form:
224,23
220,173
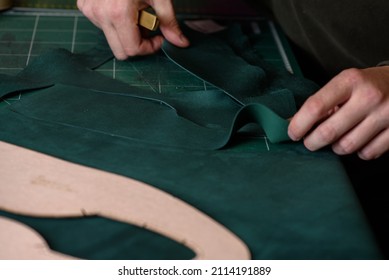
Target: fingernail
363,156
338,150
366,155
292,136
183,39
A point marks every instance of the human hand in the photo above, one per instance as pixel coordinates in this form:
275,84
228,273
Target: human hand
351,112
119,21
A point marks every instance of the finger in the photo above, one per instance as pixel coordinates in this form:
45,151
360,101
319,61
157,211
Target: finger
168,23
130,37
99,16
114,42
134,43
377,147
89,12
316,107
80,4
335,127
359,136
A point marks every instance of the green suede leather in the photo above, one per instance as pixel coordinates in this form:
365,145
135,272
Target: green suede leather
230,61
286,203
61,233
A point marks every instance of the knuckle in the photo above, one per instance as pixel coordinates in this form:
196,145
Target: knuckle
116,13
315,107
368,93
327,133
85,9
80,4
129,52
379,120
347,145
93,12
352,76
172,23
383,117
372,96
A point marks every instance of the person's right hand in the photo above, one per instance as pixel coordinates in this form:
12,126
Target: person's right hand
350,113
119,21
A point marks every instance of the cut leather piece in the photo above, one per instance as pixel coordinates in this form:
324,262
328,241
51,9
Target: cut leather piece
274,125
49,187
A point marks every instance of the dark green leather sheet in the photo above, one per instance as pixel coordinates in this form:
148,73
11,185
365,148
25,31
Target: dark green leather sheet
285,203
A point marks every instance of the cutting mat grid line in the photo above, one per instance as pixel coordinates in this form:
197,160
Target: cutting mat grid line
23,38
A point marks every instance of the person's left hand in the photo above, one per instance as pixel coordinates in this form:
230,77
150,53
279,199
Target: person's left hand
351,113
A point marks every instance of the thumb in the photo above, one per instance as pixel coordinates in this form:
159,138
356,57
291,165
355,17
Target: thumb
168,23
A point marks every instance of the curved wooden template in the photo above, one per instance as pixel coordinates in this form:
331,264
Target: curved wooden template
39,185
